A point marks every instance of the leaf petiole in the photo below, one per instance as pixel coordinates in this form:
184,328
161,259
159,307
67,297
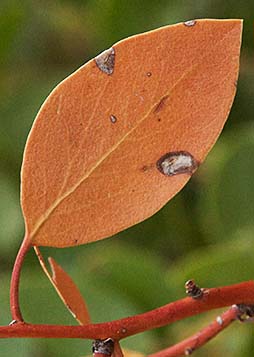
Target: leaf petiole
15,280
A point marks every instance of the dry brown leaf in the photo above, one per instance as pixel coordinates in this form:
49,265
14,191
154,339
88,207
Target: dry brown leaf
95,162
66,289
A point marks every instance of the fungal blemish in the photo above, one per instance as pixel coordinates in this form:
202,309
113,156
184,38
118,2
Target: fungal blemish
149,74
161,104
113,119
105,61
190,23
177,162
219,320
147,167
188,351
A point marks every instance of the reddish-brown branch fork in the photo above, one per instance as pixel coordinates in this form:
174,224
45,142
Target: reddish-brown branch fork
189,345
242,293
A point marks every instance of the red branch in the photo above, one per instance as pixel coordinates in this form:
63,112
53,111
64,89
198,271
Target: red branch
242,293
186,347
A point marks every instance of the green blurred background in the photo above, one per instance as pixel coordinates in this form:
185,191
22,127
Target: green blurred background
205,232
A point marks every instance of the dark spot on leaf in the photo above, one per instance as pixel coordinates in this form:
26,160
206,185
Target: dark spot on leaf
75,241
113,119
159,119
177,162
161,104
106,61
190,23
147,167
149,74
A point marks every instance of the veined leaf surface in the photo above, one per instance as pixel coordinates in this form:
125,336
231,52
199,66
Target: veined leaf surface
124,133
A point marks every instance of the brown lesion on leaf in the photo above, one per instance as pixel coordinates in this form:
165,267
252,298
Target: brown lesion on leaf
177,162
113,119
190,23
161,104
105,61
149,74
146,168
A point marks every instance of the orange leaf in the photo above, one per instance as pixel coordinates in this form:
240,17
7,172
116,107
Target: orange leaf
123,134
66,289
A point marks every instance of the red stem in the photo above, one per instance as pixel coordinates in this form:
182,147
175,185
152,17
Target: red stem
117,350
242,293
15,279
189,345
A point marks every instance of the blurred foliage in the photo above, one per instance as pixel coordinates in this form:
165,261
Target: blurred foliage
205,232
